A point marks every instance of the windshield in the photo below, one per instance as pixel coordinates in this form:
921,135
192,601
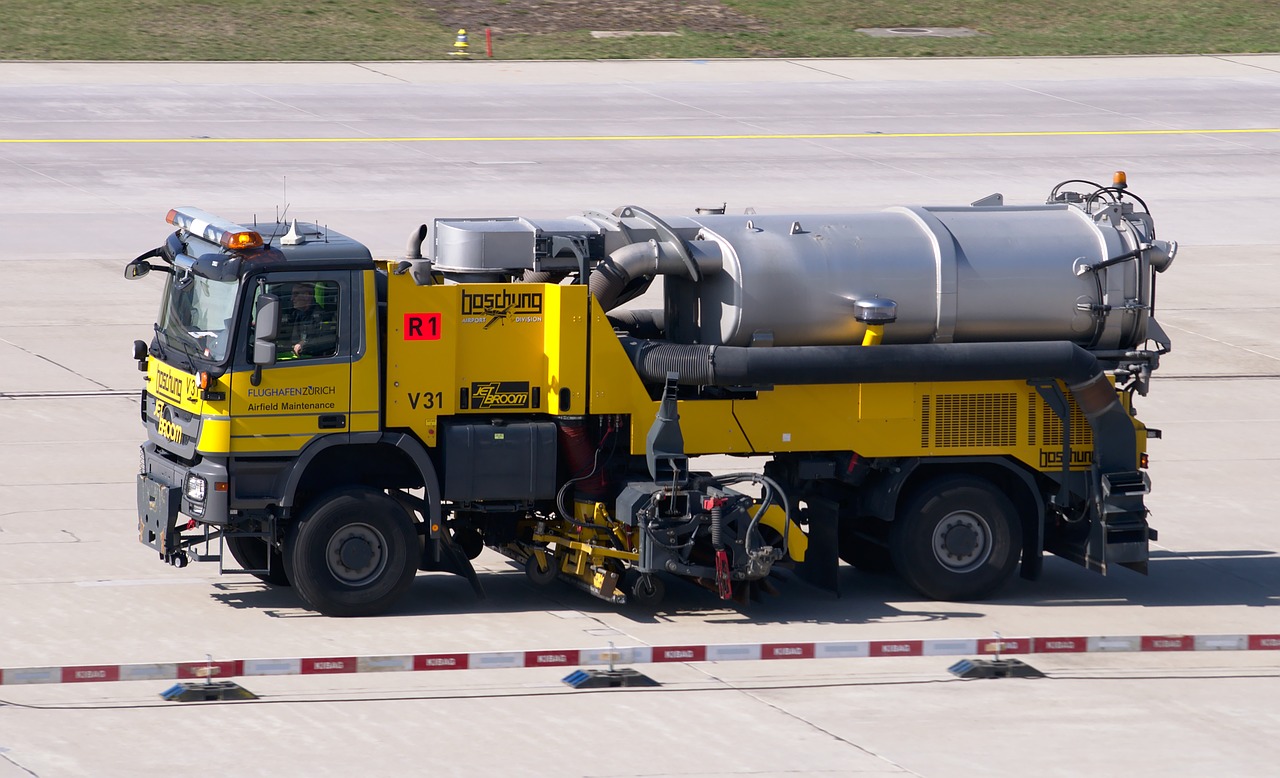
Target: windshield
196,315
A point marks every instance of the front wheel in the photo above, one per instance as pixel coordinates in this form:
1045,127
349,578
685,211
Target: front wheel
958,538
353,553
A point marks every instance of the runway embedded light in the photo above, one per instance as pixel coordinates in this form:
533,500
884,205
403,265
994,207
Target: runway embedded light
226,234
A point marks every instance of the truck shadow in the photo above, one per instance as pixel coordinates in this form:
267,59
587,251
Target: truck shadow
1211,578
1176,579
510,591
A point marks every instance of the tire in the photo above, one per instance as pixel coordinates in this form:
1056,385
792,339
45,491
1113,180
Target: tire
542,576
353,553
253,554
648,590
958,538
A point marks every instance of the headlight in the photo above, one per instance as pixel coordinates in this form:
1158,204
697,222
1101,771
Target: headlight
195,488
142,461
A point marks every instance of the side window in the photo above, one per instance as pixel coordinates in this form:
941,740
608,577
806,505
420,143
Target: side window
308,319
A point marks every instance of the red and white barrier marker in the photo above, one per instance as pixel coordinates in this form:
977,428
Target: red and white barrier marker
634,655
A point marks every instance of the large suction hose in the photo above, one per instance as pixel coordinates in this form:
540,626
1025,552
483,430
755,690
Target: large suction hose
612,277
639,322
796,365
630,262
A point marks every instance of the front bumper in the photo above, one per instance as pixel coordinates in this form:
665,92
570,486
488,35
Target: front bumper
162,502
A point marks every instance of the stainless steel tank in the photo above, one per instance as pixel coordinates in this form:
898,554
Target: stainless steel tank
957,274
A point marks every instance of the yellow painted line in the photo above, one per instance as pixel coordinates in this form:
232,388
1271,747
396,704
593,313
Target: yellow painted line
617,138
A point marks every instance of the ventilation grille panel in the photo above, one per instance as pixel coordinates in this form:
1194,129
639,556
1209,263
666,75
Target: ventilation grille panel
971,420
1051,426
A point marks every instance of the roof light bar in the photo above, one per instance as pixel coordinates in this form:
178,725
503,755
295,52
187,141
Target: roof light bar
214,229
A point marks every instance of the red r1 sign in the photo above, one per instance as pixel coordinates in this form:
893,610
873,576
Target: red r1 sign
422,326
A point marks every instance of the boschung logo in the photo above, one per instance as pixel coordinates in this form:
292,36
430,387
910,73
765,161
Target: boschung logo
497,307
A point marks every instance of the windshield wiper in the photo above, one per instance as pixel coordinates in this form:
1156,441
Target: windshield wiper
168,344
161,342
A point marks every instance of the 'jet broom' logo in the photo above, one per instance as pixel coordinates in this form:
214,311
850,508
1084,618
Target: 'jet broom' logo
499,394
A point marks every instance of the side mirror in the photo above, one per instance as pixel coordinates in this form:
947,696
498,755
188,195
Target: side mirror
137,269
266,328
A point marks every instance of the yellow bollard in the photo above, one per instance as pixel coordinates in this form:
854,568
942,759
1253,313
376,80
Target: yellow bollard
460,45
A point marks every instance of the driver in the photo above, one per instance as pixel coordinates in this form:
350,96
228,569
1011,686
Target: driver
310,330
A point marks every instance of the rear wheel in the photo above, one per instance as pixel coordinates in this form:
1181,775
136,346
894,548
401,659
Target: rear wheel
958,538
353,554
254,554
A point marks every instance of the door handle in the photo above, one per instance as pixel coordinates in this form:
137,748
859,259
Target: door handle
333,422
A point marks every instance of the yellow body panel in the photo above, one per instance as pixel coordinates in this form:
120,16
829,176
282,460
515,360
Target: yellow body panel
366,399
174,388
215,436
488,349
963,418
708,426
511,348
282,413
966,418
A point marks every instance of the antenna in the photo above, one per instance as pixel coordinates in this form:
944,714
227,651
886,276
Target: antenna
284,181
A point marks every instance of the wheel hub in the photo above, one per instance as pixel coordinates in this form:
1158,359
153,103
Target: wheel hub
962,541
356,554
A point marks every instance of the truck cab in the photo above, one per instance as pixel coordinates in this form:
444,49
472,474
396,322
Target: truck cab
257,338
